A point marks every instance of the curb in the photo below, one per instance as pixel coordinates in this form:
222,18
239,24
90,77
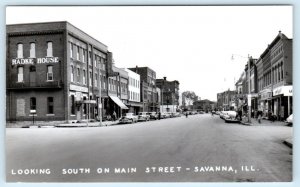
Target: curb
288,143
245,123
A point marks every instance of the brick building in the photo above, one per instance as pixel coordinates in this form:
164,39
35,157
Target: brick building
226,100
56,70
169,95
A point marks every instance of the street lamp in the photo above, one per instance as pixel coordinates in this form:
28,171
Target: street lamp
249,85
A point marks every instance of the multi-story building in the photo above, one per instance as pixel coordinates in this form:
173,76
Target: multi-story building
204,105
169,95
53,72
253,85
134,92
148,88
226,100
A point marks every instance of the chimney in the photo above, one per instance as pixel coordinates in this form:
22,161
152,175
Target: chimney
136,67
165,78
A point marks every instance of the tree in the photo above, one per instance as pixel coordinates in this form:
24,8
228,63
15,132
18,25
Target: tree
190,95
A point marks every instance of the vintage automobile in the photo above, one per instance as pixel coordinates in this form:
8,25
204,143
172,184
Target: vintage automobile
153,115
143,116
289,120
230,116
129,118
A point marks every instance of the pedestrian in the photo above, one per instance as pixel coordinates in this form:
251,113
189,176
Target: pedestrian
186,114
114,116
259,115
159,115
240,114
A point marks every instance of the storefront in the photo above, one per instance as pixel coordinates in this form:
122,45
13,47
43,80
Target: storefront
265,102
283,101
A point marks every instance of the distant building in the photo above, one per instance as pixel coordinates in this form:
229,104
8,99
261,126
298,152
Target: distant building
204,105
226,100
134,99
169,95
148,88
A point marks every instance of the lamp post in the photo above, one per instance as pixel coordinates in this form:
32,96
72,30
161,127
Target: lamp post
249,85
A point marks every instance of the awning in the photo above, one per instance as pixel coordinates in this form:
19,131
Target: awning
118,102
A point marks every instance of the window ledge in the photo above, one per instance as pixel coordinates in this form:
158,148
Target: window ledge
50,114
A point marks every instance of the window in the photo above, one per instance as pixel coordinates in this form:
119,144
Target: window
78,75
71,50
50,105
90,79
83,55
32,103
281,70
32,50
90,57
49,49
95,60
72,104
32,69
104,82
77,53
84,77
84,107
72,74
20,51
20,74
49,73
96,79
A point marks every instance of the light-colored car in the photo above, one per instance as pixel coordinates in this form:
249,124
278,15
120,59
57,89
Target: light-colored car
230,116
289,120
166,115
143,116
129,118
153,115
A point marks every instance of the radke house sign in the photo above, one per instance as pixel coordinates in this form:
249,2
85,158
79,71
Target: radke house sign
45,60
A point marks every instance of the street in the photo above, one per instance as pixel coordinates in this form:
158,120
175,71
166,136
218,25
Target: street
200,148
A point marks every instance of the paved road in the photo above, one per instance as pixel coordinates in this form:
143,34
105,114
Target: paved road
200,148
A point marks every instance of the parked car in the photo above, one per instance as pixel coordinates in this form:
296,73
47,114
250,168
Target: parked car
230,116
129,118
166,115
176,114
143,116
289,120
153,115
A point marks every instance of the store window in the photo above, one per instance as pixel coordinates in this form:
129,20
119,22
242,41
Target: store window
20,74
32,103
72,104
20,50
50,105
49,49
50,73
32,50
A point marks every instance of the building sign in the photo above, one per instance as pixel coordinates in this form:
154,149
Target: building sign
285,90
78,88
24,61
266,95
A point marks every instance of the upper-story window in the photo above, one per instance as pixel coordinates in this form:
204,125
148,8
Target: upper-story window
90,79
78,75
49,73
20,74
49,49
20,51
32,50
84,77
95,60
71,50
77,53
83,55
96,79
72,74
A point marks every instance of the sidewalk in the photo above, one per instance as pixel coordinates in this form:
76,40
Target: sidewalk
89,124
264,122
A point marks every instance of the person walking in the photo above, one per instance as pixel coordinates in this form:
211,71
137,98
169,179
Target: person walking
259,116
186,114
114,116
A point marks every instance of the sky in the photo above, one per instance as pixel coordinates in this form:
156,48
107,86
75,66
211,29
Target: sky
191,44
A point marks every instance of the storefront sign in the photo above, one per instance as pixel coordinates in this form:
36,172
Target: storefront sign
78,88
266,95
89,101
285,90
24,61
